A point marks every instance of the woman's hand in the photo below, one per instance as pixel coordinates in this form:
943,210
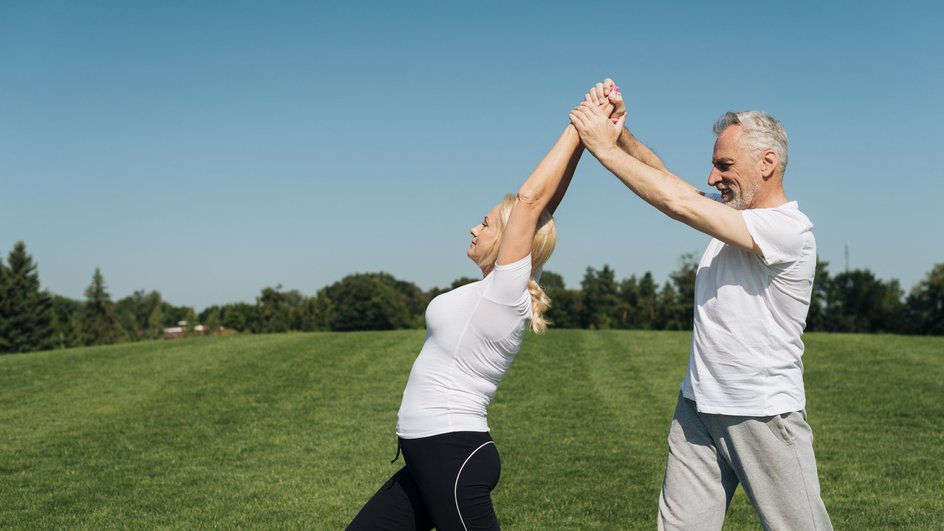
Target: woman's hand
603,104
608,93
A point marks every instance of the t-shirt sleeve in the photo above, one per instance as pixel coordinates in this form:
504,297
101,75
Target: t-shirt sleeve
510,282
779,235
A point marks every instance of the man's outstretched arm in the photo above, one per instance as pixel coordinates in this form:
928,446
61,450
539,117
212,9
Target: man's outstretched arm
668,193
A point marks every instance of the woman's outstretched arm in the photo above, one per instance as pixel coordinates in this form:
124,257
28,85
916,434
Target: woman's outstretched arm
543,190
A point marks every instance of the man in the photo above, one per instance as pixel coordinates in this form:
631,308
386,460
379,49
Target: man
740,417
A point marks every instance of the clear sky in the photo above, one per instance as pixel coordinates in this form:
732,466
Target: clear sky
209,149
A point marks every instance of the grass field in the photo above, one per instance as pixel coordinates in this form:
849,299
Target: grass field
296,431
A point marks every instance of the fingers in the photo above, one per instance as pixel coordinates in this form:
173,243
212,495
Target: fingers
591,108
574,114
610,86
604,103
583,113
606,97
578,114
597,93
591,99
588,105
616,99
577,119
598,89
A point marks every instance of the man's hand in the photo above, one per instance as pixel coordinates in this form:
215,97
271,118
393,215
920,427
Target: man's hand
594,125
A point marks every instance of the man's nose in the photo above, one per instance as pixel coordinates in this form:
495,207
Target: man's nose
714,177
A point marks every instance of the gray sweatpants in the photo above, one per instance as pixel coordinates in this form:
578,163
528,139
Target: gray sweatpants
772,457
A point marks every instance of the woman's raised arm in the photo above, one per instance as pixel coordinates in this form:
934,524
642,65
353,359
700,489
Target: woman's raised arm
543,190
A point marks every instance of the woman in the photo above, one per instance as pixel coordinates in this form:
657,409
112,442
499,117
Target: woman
473,334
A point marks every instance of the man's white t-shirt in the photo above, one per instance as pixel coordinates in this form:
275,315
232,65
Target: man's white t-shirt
472,335
749,315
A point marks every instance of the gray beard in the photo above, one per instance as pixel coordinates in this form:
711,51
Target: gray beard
744,198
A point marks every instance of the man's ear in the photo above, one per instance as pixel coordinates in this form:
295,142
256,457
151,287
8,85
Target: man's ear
768,163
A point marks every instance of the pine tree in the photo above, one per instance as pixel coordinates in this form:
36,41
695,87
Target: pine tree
64,312
816,317
679,310
97,323
25,311
5,325
602,307
648,295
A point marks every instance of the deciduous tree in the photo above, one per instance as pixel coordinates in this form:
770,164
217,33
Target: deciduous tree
860,302
367,302
565,307
925,304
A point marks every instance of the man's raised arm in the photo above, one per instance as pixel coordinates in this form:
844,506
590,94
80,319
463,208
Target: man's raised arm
661,189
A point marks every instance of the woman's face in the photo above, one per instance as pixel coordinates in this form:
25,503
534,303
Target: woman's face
484,237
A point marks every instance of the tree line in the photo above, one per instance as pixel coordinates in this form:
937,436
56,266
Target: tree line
34,319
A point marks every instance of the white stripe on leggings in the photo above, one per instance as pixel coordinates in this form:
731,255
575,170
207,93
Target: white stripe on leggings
455,490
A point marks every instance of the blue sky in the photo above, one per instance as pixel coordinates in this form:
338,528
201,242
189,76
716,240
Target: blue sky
209,149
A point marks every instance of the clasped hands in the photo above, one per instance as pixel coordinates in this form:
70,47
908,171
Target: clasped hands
600,117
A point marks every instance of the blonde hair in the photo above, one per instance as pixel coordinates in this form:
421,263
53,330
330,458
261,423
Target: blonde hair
542,247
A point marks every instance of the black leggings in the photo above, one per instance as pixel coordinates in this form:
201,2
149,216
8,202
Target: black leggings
446,484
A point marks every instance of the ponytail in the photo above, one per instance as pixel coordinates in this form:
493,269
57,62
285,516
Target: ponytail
540,302
545,239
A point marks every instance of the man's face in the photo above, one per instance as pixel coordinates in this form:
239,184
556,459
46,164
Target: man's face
737,172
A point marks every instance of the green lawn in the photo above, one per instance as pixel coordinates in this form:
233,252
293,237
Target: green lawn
296,431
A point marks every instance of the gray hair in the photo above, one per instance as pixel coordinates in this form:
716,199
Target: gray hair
761,132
